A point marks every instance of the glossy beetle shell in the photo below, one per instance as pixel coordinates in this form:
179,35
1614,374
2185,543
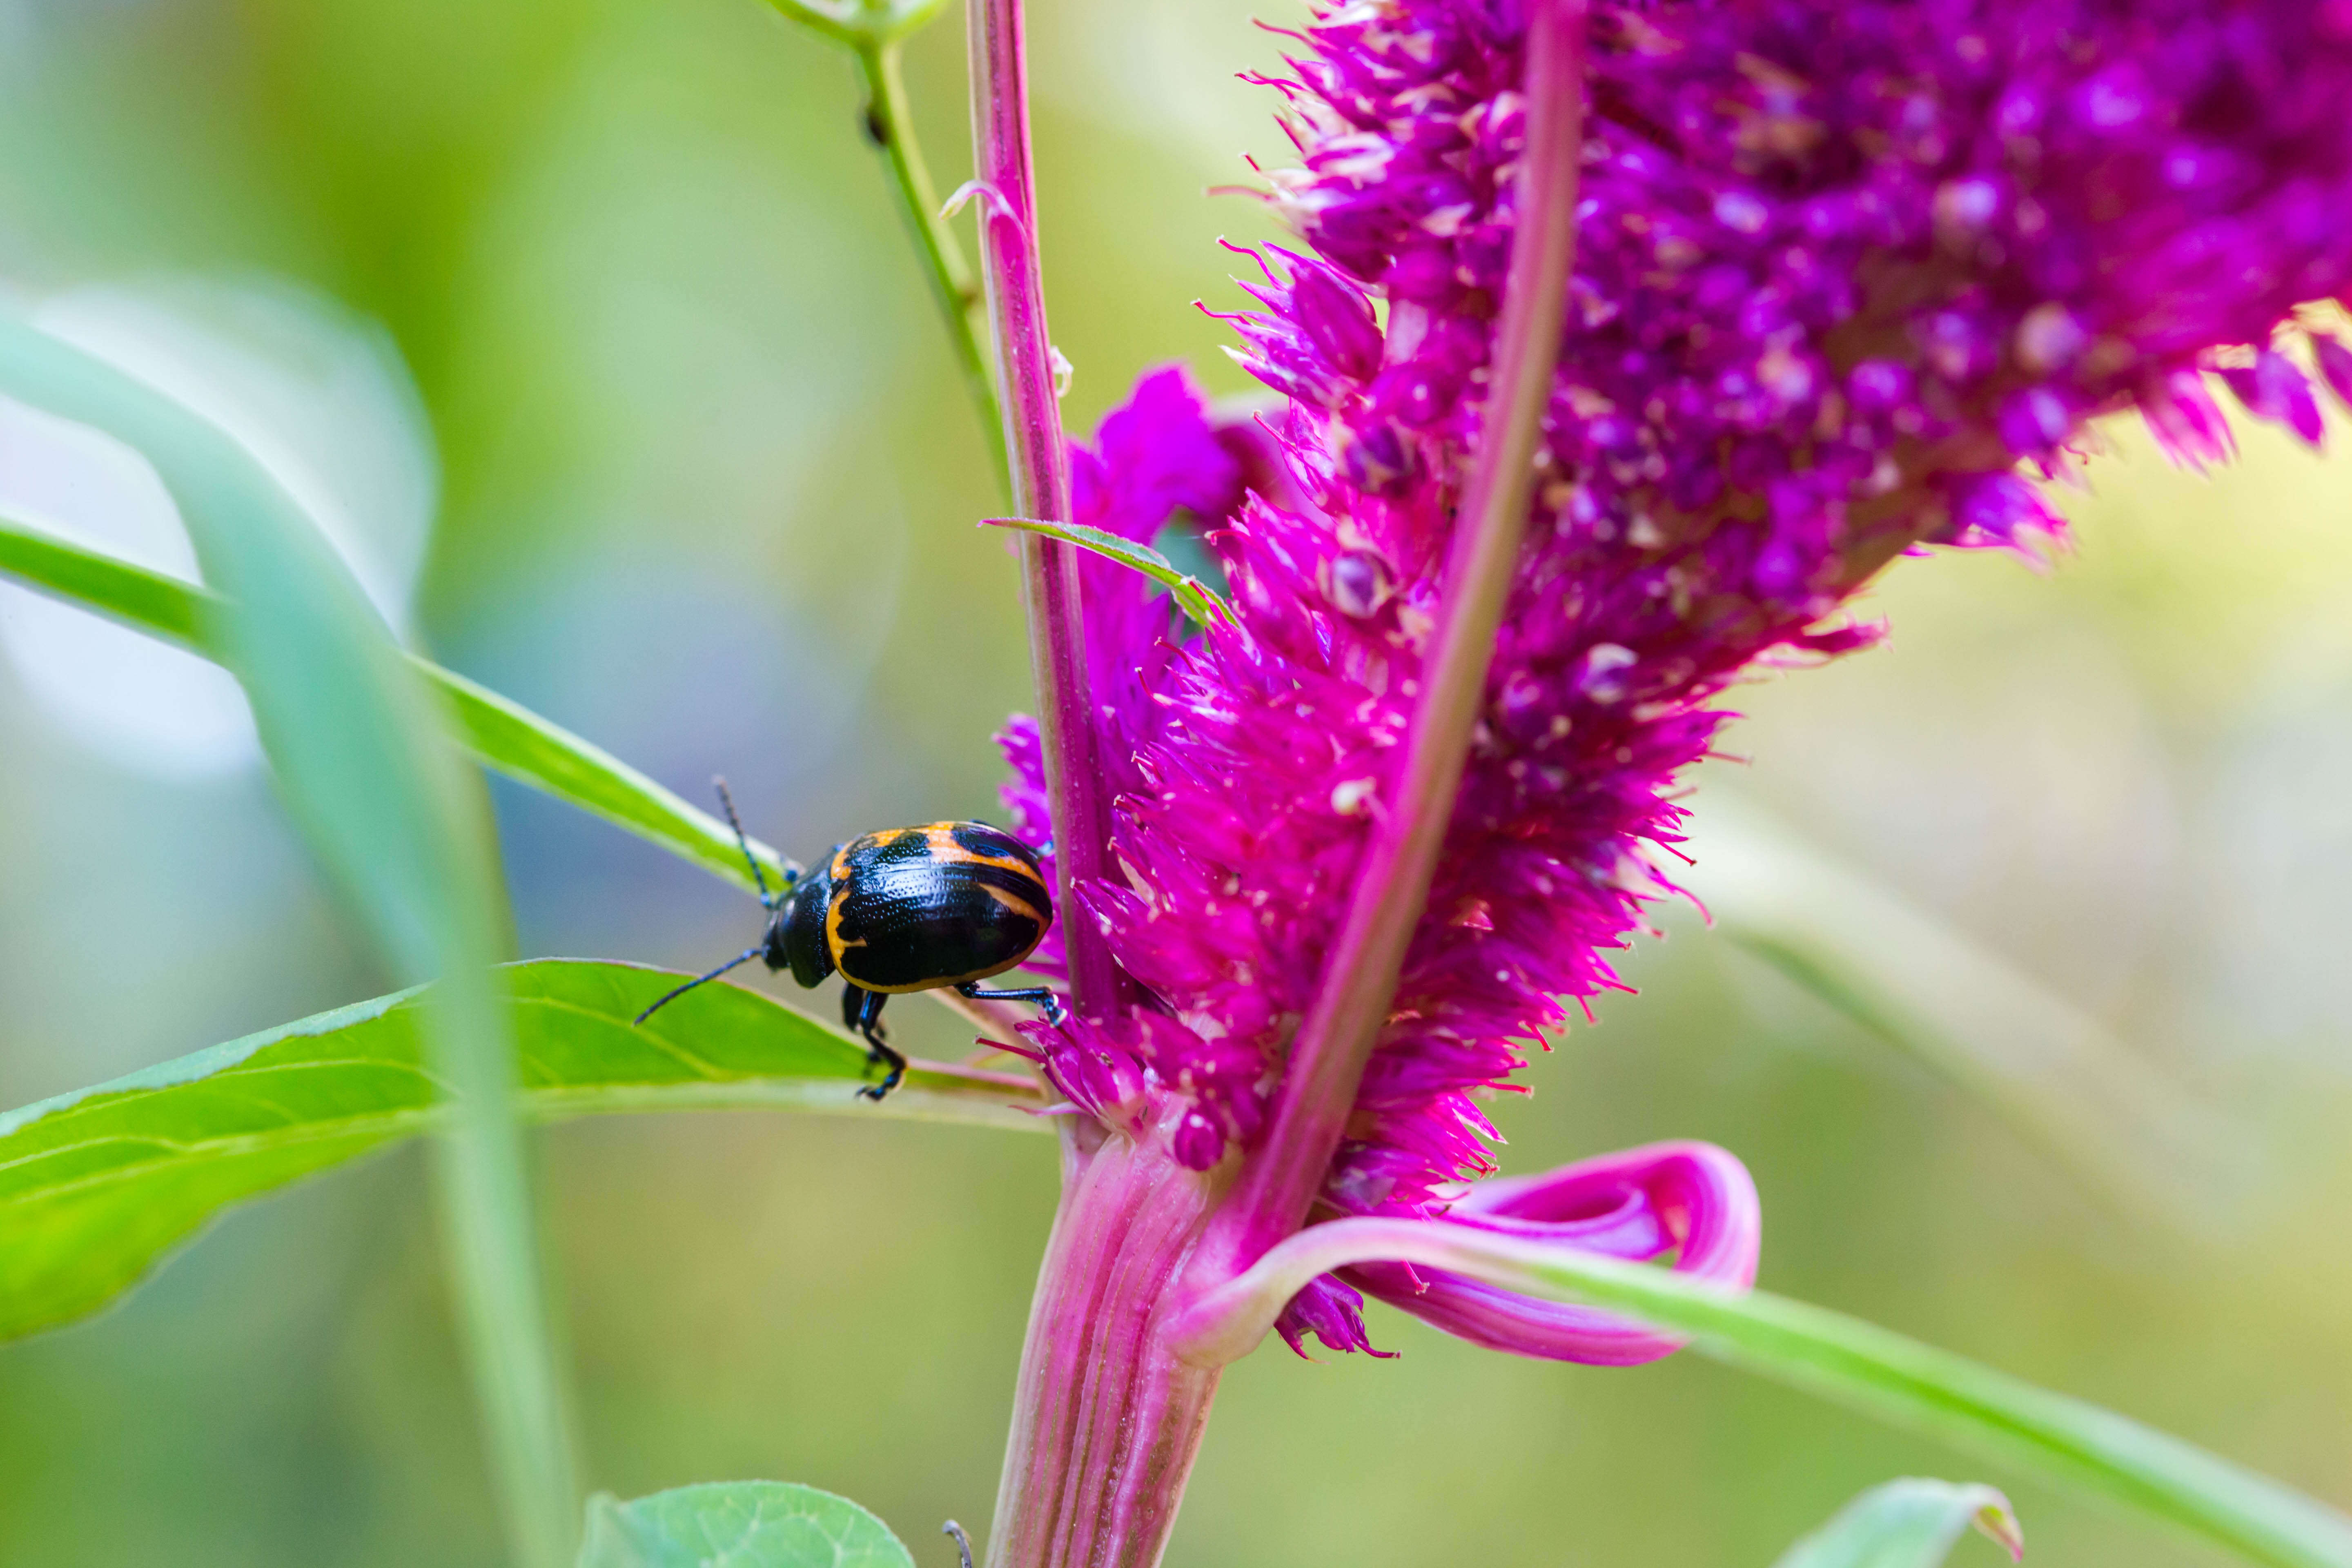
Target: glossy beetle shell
914,908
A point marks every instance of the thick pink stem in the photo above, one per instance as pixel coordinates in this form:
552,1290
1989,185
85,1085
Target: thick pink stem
1106,1419
1360,979
1039,459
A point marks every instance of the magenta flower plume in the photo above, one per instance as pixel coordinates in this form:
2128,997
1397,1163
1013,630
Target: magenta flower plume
1841,269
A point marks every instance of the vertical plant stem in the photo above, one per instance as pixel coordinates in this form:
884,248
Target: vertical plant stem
1106,1418
1359,978
1039,458
888,121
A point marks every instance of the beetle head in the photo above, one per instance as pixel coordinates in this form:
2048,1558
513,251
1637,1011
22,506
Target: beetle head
795,939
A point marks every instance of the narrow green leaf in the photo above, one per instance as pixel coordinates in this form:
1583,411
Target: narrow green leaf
97,1186
2047,1069
531,749
501,733
163,607
1909,1523
737,1524
1873,1370
1949,1398
1194,597
356,742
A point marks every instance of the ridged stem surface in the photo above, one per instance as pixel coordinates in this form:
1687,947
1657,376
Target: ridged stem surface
1106,1419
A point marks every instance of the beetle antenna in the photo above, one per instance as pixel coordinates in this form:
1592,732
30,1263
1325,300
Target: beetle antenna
746,956
759,879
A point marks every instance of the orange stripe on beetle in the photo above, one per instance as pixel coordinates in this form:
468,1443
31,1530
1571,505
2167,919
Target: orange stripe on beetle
946,848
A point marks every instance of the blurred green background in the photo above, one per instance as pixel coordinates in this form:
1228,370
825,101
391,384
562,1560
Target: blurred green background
707,483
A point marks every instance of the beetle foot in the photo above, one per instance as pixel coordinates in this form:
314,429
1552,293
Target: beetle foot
881,1056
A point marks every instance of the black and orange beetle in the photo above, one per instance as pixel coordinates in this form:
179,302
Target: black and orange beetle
907,909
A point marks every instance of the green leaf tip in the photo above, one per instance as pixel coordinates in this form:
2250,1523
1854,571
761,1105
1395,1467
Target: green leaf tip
97,1187
1908,1523
1194,597
737,1524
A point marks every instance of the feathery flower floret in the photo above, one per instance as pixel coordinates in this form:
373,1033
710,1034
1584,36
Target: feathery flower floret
1842,269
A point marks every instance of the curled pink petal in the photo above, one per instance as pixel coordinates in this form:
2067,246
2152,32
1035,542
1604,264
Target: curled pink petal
1479,1271
1694,1199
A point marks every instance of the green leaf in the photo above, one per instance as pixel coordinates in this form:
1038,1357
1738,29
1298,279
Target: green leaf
502,735
1909,1523
1194,597
865,26
97,1186
2047,1069
1873,1370
737,1524
357,744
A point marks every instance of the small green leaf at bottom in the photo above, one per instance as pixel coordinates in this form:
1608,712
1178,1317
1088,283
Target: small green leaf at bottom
1909,1523
737,1524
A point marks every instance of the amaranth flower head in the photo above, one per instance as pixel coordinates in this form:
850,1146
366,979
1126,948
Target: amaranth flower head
1841,269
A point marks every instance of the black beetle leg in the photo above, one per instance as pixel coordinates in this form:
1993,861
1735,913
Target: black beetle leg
1038,994
862,1010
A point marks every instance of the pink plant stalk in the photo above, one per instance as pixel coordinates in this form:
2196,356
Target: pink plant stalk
1039,461
1838,270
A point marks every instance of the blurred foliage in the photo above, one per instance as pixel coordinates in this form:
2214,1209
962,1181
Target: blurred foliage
1909,1523
742,1524
710,482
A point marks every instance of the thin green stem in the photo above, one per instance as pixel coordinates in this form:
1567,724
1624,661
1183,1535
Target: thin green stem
889,123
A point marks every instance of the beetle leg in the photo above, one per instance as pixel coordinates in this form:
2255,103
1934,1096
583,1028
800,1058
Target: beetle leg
862,1010
1055,1014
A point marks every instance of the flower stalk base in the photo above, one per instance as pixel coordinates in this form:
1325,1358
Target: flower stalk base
1106,1419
